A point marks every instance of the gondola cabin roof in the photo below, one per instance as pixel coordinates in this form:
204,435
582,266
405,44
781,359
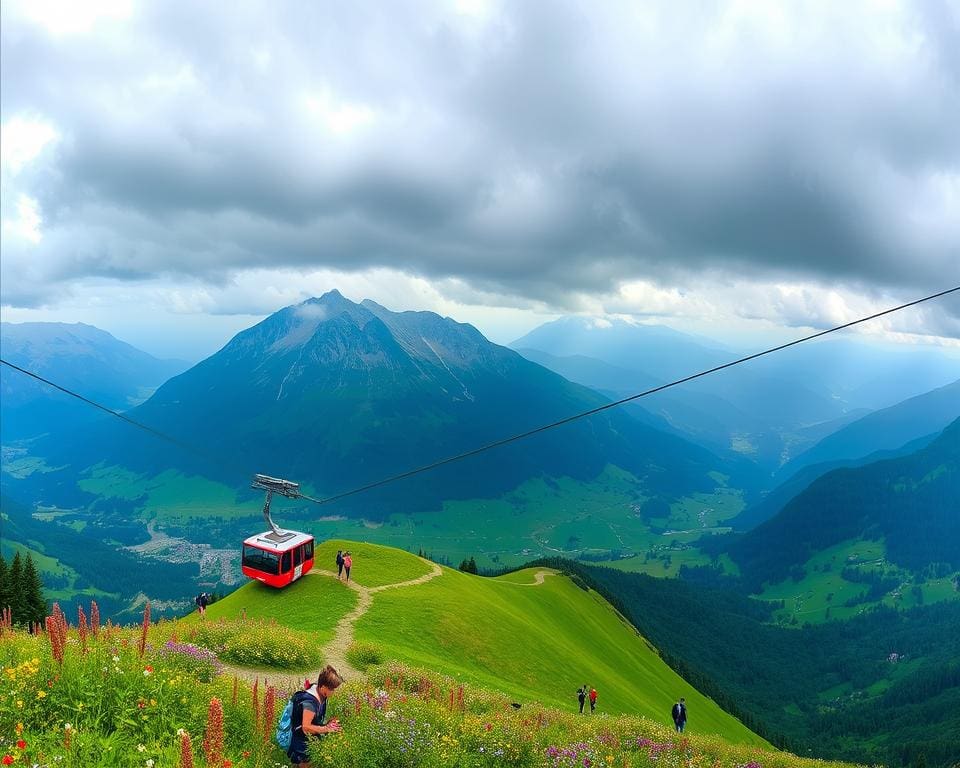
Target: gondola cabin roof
270,541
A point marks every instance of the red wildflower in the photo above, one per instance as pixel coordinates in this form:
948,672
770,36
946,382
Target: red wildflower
142,645
94,618
186,751
7,760
213,740
269,712
21,744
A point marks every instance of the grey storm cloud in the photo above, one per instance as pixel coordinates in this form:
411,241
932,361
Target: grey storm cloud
525,148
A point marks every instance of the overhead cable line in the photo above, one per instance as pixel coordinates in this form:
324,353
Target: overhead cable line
512,438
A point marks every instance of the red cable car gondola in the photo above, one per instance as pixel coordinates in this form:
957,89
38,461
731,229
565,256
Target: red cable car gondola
277,557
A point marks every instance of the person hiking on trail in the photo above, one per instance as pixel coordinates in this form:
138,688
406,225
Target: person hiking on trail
347,563
339,563
202,600
582,696
679,714
308,716
593,699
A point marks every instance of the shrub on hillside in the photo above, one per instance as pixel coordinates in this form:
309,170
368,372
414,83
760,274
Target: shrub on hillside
363,655
257,644
191,660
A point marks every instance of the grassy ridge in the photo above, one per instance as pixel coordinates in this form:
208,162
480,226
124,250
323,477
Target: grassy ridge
373,565
532,642
535,642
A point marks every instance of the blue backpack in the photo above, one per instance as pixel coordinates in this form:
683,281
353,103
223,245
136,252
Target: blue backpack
284,733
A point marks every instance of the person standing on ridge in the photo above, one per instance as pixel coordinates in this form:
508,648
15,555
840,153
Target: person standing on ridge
582,696
347,563
679,713
593,699
309,714
339,563
202,601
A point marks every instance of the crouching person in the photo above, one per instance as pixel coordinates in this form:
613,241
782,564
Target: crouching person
309,715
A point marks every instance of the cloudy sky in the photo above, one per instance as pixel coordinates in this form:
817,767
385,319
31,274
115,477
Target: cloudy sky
172,172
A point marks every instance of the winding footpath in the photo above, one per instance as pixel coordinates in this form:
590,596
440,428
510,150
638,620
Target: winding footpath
334,652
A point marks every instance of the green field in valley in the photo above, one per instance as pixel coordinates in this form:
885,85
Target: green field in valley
825,589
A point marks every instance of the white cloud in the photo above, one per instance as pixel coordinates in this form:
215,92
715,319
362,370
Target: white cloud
501,163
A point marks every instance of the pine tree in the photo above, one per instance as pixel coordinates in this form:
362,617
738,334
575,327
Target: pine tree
15,579
35,605
5,588
472,565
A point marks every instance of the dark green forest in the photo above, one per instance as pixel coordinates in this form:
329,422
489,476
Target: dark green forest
828,690
21,592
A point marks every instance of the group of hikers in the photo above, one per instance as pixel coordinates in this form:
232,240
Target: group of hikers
344,563
586,692
678,712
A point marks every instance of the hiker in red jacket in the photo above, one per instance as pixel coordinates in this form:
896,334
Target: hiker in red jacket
593,699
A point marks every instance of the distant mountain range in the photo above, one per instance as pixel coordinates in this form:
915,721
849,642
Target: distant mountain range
912,503
887,429
895,431
337,394
79,357
769,411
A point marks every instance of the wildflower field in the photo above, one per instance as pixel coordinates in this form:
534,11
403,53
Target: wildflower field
150,696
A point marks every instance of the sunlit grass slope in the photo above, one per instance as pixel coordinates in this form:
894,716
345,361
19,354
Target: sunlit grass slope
373,565
313,604
535,642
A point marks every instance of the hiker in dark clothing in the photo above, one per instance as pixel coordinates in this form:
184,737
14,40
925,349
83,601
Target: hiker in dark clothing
582,696
339,563
202,600
679,713
593,699
311,713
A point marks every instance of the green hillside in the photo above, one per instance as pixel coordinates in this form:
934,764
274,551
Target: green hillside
532,641
908,502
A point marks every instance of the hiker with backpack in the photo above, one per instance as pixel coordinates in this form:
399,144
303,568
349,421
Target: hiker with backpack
593,699
582,696
679,714
304,716
202,600
347,563
339,563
